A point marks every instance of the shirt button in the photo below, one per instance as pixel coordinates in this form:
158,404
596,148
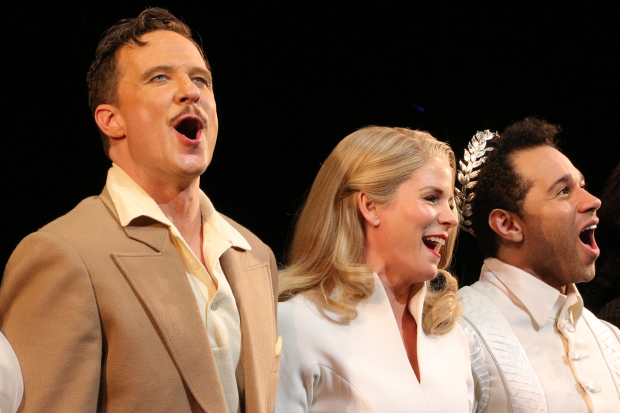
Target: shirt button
195,265
566,326
578,355
592,387
213,306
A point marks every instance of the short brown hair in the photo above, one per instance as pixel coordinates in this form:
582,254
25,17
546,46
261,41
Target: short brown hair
103,76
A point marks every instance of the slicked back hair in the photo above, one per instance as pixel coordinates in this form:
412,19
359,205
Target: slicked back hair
103,76
499,185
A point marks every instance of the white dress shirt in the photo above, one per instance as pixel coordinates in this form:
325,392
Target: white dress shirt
11,381
211,288
557,340
363,366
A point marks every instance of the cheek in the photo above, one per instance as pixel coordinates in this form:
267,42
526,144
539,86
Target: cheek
557,225
393,234
413,225
422,217
208,101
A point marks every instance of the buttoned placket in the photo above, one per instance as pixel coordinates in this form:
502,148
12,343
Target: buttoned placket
566,327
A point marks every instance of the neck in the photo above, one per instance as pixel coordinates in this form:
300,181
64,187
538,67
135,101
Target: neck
183,210
177,196
516,260
179,200
398,296
396,287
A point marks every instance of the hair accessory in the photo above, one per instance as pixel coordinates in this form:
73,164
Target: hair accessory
475,155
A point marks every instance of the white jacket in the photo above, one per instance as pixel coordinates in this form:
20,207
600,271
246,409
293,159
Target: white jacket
363,366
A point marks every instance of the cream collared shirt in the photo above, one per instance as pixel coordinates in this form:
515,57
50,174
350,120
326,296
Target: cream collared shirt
211,288
533,309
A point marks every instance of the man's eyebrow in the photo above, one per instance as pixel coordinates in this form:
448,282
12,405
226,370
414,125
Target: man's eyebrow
201,71
564,180
167,69
149,73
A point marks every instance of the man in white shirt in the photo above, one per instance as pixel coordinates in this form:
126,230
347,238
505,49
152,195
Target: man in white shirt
145,298
538,348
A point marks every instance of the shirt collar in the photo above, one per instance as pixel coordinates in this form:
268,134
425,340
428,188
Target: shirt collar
540,300
131,202
213,223
572,308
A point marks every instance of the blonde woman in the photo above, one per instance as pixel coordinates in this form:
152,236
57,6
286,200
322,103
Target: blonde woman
364,328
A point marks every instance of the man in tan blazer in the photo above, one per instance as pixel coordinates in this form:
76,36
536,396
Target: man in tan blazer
144,298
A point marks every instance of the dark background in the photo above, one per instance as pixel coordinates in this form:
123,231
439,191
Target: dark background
294,78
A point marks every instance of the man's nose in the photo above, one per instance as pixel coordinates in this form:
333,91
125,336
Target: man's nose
188,91
590,203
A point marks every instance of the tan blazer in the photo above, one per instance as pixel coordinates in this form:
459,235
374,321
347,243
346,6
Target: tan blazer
102,318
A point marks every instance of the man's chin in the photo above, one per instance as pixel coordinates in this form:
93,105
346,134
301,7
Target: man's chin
194,171
586,275
192,167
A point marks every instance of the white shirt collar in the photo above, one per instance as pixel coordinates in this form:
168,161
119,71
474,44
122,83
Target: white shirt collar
541,301
131,202
415,303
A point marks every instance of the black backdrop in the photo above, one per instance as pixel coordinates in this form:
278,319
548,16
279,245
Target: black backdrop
293,78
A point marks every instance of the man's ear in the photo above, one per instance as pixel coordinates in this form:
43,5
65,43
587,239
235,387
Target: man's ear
506,224
368,208
110,121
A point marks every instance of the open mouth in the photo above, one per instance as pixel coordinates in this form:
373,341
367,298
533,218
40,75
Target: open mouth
587,236
189,127
434,244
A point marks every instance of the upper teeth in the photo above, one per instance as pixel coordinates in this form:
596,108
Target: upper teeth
587,228
437,240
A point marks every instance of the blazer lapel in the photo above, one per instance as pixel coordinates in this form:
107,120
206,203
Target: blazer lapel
159,280
251,285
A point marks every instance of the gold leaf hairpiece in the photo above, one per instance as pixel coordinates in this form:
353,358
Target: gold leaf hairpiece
474,156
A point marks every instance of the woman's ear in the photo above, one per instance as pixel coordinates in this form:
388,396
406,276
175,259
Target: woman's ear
506,224
368,208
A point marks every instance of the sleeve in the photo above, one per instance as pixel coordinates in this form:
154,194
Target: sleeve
293,396
11,381
49,314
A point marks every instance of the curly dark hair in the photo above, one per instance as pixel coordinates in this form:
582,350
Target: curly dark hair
103,76
499,185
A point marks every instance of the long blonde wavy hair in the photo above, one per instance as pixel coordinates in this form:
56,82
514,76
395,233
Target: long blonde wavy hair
327,252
